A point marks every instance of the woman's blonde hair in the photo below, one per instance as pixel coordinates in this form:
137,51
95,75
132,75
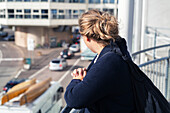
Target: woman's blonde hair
100,26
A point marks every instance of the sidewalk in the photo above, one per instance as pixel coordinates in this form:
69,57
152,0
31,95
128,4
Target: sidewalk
39,59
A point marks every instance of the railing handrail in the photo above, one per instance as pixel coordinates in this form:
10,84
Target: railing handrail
148,49
153,61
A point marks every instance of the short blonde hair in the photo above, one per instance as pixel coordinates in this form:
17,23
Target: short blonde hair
100,26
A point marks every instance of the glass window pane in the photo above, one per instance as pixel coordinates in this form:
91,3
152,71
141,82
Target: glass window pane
44,0
97,1
10,10
19,10
61,17
35,11
61,11
27,16
36,16
26,0
27,10
82,1
44,16
19,16
53,11
75,11
112,1
44,11
105,1
18,0
60,0
35,0
10,16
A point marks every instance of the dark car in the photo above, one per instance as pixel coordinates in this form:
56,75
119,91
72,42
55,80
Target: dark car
9,38
66,53
3,34
12,83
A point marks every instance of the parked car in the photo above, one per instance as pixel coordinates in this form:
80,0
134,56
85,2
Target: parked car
66,53
12,83
9,38
3,34
57,64
75,47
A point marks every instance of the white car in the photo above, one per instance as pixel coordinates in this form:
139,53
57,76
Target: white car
57,64
74,47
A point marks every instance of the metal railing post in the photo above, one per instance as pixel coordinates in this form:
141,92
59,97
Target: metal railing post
167,91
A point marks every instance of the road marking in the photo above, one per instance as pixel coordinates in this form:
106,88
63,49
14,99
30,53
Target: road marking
1,56
19,72
3,45
63,77
36,73
11,59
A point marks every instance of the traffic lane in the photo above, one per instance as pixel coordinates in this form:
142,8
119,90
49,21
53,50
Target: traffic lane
8,69
57,75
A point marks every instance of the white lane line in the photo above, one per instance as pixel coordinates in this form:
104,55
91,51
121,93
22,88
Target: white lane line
36,73
11,59
63,77
1,56
19,72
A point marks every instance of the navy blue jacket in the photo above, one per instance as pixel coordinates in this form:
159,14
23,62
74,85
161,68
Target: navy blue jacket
105,89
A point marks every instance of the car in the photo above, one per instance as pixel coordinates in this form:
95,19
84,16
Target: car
3,34
12,83
9,38
75,47
66,53
57,64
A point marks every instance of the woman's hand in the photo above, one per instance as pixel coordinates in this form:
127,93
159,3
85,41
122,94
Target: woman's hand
79,73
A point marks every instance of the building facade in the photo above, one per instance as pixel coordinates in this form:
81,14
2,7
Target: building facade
48,21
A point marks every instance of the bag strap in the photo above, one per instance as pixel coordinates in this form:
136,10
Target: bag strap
133,67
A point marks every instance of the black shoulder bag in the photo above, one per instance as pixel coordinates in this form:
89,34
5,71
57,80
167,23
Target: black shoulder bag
147,97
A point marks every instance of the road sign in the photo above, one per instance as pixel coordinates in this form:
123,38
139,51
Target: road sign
30,44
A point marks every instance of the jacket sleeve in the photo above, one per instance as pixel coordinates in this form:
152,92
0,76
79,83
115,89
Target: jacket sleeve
95,85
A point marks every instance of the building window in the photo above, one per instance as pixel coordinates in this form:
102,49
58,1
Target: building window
60,0
61,17
35,11
19,16
61,11
75,1
10,10
82,1
35,0
19,10
36,16
44,11
10,0
44,16
94,1
27,10
27,16
108,1
10,16
26,0
18,0
54,13
81,12
44,0
110,11
112,1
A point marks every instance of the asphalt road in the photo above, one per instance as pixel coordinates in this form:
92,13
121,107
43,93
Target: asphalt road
64,76
10,62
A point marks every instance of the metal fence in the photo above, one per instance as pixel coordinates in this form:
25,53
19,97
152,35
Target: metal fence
158,71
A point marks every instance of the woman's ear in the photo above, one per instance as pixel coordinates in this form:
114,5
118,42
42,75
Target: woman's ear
87,39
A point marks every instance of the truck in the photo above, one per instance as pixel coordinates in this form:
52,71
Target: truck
50,101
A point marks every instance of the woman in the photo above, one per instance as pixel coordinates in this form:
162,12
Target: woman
105,86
